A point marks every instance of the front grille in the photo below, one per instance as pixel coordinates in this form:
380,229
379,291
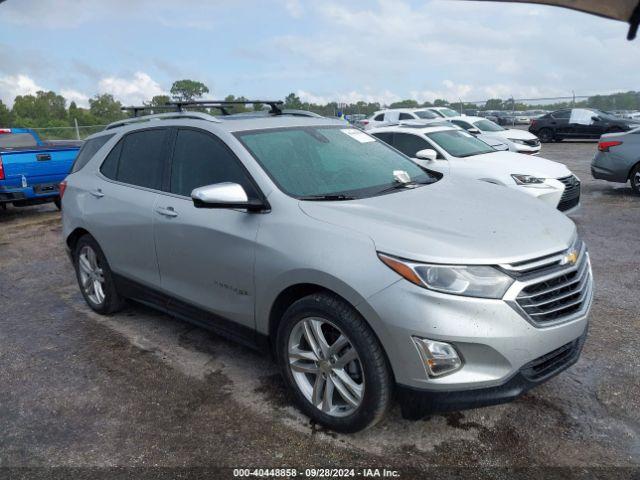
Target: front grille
546,365
571,195
559,296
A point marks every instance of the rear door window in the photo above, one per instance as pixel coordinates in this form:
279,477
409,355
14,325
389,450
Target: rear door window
88,150
142,158
562,114
379,117
406,116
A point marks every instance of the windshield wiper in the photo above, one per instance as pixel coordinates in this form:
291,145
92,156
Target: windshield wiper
399,186
327,198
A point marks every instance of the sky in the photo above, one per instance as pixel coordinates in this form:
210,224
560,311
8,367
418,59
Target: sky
329,50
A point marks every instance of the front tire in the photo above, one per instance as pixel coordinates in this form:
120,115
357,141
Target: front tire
95,278
634,178
333,363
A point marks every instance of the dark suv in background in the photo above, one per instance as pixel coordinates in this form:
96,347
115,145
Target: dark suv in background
572,123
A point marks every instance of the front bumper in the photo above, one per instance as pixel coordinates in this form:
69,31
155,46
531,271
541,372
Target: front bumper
496,339
416,403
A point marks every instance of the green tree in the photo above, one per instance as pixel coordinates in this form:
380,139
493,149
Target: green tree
105,108
159,101
440,102
292,101
494,104
5,115
42,107
405,104
185,90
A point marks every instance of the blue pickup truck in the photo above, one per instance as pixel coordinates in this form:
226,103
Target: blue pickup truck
31,170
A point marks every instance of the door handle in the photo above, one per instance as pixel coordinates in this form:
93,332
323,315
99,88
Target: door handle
97,193
167,212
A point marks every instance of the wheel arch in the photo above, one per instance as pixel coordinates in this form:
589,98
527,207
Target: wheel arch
637,164
74,236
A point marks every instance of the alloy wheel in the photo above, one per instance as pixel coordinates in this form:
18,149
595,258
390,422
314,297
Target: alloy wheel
636,181
326,367
91,275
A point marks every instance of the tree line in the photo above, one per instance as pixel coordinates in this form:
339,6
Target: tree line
50,110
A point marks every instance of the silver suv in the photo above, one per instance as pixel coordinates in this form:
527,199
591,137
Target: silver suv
364,274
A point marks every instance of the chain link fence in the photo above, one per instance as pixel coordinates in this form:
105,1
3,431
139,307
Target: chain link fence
68,133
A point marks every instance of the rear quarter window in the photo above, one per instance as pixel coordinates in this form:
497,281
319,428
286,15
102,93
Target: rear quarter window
88,150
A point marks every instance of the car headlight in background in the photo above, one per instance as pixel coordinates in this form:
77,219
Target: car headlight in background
518,141
527,179
471,281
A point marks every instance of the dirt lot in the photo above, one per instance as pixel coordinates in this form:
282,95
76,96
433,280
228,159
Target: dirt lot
142,389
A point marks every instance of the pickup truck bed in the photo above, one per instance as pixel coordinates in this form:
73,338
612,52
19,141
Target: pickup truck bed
31,174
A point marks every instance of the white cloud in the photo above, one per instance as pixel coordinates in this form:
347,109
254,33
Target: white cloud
293,8
79,98
141,87
14,85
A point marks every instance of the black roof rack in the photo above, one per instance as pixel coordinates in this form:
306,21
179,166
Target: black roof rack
221,104
137,109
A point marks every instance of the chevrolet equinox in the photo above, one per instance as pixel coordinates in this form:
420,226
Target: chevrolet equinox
366,276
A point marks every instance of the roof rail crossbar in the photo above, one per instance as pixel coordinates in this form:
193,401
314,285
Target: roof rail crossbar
163,116
152,108
221,104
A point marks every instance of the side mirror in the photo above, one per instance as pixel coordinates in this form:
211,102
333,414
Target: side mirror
224,195
474,131
427,154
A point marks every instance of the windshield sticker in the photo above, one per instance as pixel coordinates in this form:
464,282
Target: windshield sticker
358,135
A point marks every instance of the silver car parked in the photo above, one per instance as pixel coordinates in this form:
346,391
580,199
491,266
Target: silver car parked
618,158
363,273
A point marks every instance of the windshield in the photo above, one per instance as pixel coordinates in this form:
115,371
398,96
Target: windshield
458,143
426,114
488,126
447,112
328,161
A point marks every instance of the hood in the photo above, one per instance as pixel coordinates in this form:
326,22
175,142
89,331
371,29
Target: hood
507,163
492,140
516,133
453,221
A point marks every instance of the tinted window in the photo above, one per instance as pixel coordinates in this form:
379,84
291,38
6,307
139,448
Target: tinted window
88,150
109,167
405,116
426,114
409,144
379,118
17,140
459,144
488,126
562,114
142,157
461,124
309,161
199,159
386,137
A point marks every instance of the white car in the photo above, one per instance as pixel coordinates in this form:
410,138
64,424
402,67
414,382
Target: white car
396,115
452,151
518,140
444,112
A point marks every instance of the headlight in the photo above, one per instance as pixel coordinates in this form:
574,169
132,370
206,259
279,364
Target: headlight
527,179
517,140
471,281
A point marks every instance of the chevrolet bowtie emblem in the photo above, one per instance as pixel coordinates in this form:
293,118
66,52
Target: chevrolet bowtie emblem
570,258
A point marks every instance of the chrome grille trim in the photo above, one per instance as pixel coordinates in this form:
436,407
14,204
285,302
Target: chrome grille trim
547,261
555,297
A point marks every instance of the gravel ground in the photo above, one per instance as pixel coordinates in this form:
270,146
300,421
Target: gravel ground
140,389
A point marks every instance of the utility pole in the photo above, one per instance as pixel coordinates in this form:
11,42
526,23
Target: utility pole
75,122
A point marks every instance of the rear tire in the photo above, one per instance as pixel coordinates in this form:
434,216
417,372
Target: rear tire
546,135
95,278
333,363
634,178
58,203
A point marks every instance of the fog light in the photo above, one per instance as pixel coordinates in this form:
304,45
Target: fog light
439,358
